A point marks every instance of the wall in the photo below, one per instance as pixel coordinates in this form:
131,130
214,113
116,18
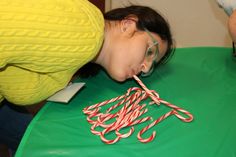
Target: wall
193,22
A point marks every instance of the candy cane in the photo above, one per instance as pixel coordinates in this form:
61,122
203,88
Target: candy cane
190,116
129,113
151,125
154,98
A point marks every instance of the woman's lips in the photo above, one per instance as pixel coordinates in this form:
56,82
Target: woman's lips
132,73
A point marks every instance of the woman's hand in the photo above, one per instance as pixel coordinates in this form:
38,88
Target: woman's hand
227,5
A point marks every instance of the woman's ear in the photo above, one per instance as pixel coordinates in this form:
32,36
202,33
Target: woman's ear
128,25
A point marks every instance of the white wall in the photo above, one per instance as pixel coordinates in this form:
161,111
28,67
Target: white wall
193,22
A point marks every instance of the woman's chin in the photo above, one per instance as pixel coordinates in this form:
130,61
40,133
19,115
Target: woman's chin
119,78
118,74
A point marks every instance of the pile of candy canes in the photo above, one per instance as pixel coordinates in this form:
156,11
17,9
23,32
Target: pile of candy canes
129,114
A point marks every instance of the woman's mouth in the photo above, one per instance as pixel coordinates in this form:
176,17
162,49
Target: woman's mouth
132,73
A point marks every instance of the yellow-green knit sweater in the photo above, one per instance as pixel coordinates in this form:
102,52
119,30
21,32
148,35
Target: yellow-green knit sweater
43,43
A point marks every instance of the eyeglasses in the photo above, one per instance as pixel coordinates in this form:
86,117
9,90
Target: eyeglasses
151,54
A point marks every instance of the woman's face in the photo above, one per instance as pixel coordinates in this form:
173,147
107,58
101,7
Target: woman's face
128,54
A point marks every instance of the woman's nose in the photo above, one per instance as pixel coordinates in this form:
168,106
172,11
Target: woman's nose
146,67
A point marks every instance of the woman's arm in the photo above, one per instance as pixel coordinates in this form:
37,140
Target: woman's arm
228,5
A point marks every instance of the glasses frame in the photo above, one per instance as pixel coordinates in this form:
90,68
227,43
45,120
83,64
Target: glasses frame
155,43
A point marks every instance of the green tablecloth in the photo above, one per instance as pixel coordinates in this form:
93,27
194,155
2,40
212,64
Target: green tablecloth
200,80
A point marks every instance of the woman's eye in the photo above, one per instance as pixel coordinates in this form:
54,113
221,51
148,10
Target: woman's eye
149,52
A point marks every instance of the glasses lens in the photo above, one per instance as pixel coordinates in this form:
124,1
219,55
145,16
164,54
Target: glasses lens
151,56
151,53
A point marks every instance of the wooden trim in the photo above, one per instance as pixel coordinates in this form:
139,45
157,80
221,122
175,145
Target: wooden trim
99,3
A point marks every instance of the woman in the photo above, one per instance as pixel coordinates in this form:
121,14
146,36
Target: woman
44,42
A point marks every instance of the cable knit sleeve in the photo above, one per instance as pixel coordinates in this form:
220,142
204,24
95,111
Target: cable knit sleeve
43,43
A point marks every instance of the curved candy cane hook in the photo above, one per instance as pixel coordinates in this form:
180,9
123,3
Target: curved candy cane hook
151,125
109,141
184,119
126,134
95,132
178,109
105,140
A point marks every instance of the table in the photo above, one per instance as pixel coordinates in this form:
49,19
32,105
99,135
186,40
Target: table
201,80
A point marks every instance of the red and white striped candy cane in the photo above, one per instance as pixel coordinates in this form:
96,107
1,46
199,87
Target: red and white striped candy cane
105,140
154,98
178,109
149,139
129,113
155,95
